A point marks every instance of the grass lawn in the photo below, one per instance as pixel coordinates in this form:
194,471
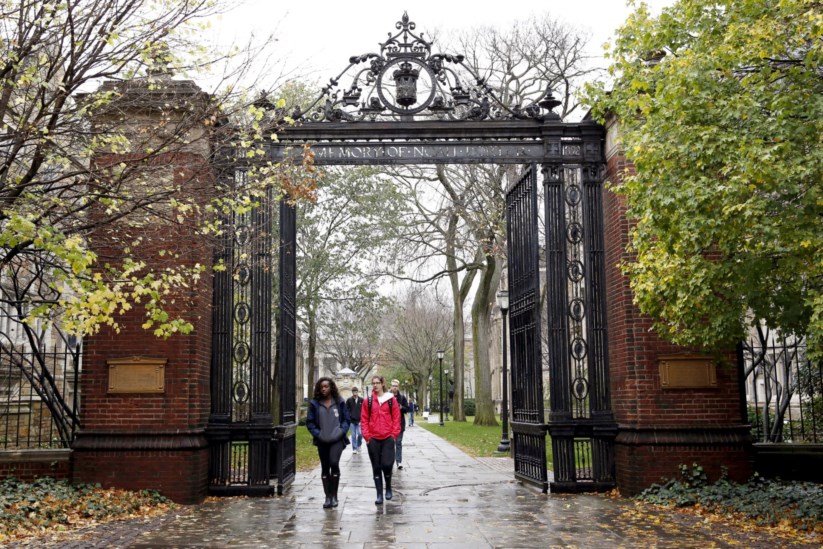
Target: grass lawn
307,458
475,440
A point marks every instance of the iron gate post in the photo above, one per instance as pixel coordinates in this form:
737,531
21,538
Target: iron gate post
559,425
503,301
604,427
284,438
217,428
581,422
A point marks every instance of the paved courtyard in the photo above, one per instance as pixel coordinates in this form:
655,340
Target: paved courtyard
443,499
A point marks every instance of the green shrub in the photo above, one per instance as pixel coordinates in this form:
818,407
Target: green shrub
469,407
768,502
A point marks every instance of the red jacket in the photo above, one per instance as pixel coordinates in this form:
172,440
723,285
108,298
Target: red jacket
380,423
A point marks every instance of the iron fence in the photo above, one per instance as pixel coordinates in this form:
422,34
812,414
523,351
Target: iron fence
784,390
38,396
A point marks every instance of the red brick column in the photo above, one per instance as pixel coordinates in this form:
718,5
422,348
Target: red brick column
152,440
660,428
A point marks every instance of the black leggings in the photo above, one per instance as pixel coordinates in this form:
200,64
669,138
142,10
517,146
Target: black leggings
330,457
381,454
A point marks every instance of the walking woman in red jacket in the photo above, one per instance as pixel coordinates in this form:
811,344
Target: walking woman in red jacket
380,422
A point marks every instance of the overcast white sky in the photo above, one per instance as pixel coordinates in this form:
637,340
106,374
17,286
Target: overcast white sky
320,36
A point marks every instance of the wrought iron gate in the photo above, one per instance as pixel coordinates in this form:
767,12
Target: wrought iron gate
528,433
284,447
240,428
408,105
580,420
581,423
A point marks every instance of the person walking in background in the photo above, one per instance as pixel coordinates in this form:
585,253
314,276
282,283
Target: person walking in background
412,406
328,422
404,408
380,422
354,403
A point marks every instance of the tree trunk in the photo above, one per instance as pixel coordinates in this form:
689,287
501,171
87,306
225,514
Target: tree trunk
312,358
458,327
481,330
421,393
459,330
459,293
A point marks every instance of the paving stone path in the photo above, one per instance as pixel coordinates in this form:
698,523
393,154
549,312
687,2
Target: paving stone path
443,499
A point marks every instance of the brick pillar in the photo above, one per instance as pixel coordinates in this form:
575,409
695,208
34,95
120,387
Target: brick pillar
672,405
144,400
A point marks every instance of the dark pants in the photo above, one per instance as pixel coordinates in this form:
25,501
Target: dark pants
381,454
330,457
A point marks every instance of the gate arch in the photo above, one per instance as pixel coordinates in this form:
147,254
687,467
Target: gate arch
407,105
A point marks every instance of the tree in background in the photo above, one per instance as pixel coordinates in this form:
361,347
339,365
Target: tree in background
350,333
521,64
532,56
343,239
458,221
435,231
76,164
720,105
415,331
482,210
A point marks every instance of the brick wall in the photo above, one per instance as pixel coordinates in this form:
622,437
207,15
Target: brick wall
185,402
177,466
155,441
659,429
28,465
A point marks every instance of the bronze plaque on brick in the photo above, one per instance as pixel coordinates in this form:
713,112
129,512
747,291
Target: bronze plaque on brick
137,375
687,372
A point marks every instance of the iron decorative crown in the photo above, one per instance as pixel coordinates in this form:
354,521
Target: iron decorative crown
406,81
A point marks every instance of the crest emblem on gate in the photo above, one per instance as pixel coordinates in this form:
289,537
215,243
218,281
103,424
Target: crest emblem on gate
406,79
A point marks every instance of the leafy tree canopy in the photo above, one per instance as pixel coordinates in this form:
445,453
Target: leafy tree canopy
76,162
720,106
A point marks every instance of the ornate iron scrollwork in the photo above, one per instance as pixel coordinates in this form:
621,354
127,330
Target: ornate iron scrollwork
406,80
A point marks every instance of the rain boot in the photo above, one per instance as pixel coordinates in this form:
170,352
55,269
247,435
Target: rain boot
327,491
389,493
378,483
334,482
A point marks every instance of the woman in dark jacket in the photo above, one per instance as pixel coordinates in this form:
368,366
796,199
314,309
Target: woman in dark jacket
328,422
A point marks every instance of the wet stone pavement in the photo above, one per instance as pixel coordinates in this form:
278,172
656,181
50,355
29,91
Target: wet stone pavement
443,498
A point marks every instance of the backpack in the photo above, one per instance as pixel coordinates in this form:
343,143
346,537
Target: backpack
390,407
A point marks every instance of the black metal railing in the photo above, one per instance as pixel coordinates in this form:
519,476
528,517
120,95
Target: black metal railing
38,396
784,389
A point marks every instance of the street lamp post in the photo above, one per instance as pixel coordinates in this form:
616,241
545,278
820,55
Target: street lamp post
448,399
440,397
503,303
